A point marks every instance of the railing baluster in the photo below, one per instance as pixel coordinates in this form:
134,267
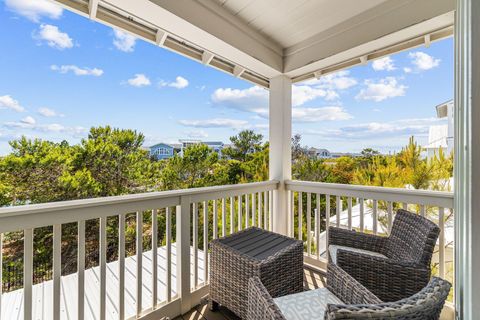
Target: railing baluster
327,220
232,215
57,269
300,216
317,226
309,223
259,211
81,270
168,235
154,258
224,217
375,216
103,267
362,214
404,206
254,216
247,211
390,216
205,242
139,260
215,220
265,214
27,273
239,207
422,210
291,213
121,265
349,202
270,210
195,246
441,242
1,272
338,209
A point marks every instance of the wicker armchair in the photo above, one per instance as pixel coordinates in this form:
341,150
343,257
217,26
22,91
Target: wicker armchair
393,267
354,301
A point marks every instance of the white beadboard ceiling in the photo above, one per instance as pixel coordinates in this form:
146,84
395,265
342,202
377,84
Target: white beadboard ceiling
289,22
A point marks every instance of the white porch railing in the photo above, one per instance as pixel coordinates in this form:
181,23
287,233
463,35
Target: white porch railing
144,289
365,209
230,208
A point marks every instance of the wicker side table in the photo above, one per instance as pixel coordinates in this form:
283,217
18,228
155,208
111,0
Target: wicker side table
276,259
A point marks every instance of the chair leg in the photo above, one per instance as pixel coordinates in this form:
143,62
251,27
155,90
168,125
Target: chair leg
212,305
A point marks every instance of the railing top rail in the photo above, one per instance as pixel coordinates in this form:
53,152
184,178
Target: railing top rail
426,197
130,198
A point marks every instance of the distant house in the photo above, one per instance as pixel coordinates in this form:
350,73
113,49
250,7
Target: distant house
162,151
217,146
441,136
318,153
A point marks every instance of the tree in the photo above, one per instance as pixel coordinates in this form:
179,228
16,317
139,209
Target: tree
245,143
298,151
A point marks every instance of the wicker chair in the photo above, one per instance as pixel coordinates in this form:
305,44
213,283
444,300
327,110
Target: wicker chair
393,267
354,301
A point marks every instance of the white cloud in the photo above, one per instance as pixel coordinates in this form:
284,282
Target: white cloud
35,9
320,114
29,120
7,102
46,112
381,90
215,123
196,134
30,124
302,94
423,61
385,63
334,81
241,99
77,70
53,37
123,41
407,70
139,80
394,129
179,83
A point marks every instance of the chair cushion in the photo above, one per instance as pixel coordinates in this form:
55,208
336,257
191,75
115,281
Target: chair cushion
309,305
333,249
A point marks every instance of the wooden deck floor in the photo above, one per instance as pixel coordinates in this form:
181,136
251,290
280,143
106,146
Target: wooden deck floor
312,279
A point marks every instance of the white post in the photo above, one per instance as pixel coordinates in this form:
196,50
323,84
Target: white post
280,136
183,254
467,159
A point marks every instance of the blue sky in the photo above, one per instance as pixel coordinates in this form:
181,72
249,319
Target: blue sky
62,73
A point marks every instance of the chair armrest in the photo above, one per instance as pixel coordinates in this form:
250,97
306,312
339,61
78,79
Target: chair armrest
347,289
260,304
359,240
388,279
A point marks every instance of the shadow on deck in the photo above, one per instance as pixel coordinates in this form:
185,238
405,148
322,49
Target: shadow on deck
312,279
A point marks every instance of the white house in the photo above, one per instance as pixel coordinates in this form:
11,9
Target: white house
441,136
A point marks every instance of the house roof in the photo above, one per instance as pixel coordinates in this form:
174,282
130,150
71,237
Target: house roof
160,145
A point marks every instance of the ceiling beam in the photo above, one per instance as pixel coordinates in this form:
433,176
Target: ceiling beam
213,28
92,8
387,24
161,37
207,57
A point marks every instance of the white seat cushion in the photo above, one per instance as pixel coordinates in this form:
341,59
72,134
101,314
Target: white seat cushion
333,249
308,305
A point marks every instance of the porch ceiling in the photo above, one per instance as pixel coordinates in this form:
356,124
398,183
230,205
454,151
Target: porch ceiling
257,40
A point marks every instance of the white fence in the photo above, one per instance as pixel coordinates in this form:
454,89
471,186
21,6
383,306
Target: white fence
200,214
242,205
363,208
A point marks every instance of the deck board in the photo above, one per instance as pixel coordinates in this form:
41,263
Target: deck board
12,302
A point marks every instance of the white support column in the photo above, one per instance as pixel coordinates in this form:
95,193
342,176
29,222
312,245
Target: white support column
280,146
467,159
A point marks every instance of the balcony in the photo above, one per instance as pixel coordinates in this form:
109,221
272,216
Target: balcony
169,280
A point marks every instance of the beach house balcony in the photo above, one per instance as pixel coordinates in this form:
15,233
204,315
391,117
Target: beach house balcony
272,44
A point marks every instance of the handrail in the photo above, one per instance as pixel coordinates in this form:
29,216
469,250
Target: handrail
44,214
423,197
